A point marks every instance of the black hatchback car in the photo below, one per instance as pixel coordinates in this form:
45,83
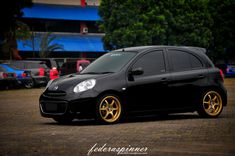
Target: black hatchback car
148,79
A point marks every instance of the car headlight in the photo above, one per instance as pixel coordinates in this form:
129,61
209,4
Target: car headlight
84,85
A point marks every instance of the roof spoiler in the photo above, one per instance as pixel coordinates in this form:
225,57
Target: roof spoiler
197,49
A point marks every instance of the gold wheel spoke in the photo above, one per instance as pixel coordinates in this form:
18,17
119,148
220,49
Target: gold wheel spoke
111,113
209,97
214,98
206,102
115,108
106,115
106,102
103,108
112,103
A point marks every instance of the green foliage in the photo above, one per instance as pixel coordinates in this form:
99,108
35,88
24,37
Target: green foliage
223,30
23,31
139,22
11,28
13,10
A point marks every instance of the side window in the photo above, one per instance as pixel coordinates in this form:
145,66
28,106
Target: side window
195,62
152,63
182,61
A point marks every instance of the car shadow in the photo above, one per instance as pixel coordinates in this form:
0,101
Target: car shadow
165,117
131,119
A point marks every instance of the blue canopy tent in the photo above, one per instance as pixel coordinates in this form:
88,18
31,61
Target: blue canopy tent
62,12
70,43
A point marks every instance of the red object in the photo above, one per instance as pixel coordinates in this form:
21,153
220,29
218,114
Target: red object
5,75
24,75
14,75
41,72
221,74
81,63
54,73
83,3
16,54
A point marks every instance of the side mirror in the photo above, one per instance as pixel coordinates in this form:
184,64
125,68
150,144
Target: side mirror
136,71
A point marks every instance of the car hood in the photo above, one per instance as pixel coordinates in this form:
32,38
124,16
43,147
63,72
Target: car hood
66,82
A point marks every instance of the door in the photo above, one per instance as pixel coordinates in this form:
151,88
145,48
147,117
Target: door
147,92
187,77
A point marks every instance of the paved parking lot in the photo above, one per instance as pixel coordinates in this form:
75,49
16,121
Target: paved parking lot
24,132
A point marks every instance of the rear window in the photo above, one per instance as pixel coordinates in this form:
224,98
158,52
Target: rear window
182,61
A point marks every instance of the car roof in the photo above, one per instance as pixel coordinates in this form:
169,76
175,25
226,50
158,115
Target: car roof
144,48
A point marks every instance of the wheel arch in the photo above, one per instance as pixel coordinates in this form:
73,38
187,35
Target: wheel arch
119,94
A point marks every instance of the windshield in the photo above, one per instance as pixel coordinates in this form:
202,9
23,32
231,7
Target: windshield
109,63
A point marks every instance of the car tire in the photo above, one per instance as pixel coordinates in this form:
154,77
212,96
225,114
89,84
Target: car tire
109,109
63,120
211,104
29,84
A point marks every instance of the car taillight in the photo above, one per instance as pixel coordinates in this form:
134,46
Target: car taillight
41,72
5,75
221,74
24,75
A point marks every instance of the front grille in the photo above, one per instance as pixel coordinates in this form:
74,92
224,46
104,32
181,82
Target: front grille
56,107
55,93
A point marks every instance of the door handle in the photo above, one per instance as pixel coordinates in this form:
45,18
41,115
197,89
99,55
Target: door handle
201,76
164,80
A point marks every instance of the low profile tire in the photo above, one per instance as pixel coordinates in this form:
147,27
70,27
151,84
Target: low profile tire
109,109
211,104
63,120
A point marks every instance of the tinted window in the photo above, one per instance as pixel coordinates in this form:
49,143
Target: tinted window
195,62
152,63
183,61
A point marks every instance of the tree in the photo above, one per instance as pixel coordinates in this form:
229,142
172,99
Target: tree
223,32
140,22
47,46
11,27
44,43
188,22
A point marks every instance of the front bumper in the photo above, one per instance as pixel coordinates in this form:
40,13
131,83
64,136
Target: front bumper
55,104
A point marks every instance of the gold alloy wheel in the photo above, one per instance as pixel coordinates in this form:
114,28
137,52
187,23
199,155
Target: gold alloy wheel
110,109
212,103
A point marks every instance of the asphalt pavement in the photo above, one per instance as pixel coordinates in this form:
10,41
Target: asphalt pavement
24,132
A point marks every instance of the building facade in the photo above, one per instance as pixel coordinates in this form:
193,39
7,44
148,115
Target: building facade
72,23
